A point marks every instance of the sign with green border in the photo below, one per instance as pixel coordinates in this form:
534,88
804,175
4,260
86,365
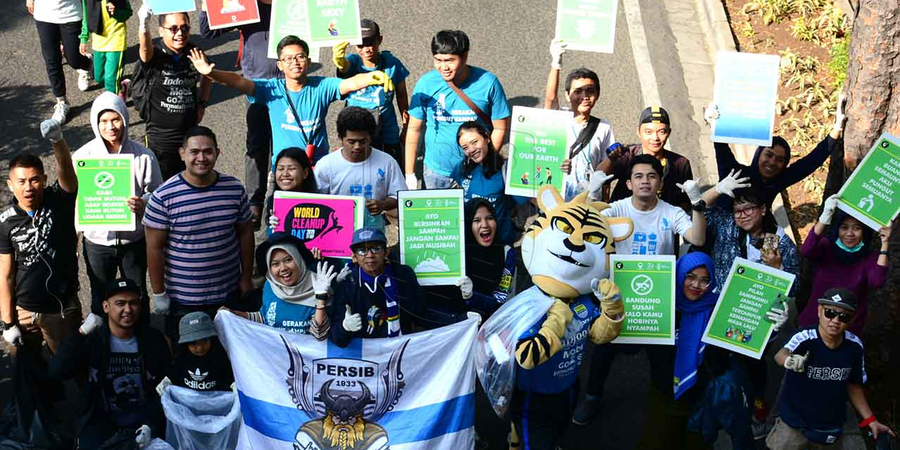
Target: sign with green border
288,18
588,25
539,142
432,237
331,22
104,186
872,193
647,284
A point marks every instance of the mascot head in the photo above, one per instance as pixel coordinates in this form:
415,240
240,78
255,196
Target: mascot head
569,243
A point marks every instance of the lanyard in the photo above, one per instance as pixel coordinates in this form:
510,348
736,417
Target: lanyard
310,148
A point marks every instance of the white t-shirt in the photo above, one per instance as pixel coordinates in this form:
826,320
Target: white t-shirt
587,160
376,178
57,11
654,230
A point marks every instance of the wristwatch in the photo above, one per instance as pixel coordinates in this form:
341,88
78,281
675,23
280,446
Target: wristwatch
700,206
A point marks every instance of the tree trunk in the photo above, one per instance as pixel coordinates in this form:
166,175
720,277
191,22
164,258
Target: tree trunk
873,78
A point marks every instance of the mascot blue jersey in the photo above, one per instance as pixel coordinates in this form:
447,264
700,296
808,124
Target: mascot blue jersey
561,370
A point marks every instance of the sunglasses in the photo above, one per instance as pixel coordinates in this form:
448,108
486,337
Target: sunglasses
375,249
186,29
842,316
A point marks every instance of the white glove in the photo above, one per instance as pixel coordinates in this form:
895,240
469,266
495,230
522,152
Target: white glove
411,182
91,323
13,336
465,286
161,303
711,113
796,363
143,15
839,116
474,316
273,222
142,436
51,130
557,48
828,210
731,182
344,273
692,189
322,278
598,179
779,316
166,382
352,322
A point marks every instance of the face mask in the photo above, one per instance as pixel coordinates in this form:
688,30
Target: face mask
843,247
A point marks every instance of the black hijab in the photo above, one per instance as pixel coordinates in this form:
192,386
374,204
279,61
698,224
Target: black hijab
843,256
484,265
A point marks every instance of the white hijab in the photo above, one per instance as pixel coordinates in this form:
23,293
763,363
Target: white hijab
301,293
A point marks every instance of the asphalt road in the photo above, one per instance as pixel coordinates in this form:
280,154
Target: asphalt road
509,38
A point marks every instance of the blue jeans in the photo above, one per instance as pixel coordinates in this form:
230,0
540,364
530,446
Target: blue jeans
434,180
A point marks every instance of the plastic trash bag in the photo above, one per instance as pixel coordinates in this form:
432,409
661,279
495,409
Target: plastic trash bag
201,420
158,444
495,345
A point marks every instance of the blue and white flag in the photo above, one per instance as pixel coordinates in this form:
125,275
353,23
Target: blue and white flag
409,392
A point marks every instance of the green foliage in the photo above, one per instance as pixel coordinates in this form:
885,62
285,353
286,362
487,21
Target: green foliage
840,60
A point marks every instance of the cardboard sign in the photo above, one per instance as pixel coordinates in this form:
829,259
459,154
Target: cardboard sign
326,222
872,194
432,237
539,142
745,93
104,186
289,18
331,22
171,6
647,284
231,13
738,322
588,25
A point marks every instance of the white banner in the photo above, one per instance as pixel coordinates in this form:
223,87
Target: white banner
409,392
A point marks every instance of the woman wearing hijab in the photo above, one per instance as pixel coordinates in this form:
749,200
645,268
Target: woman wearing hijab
489,266
844,259
293,173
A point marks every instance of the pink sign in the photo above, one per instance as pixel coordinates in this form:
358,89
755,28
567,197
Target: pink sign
231,13
325,223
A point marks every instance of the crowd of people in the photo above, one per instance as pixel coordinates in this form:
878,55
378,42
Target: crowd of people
195,239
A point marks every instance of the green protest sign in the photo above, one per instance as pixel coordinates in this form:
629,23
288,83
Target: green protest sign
104,186
539,141
588,25
289,18
332,22
647,284
432,238
738,321
872,194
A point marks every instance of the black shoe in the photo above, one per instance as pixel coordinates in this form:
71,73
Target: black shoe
586,410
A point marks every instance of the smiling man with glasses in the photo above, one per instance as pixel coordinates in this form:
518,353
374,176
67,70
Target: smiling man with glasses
825,369
176,92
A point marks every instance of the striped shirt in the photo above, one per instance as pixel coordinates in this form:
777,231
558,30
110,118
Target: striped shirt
203,262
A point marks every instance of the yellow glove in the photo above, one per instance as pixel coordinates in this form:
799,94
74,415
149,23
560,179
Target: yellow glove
610,299
538,349
378,77
339,56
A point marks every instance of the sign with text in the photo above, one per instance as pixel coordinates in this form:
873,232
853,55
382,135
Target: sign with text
871,193
231,13
332,22
588,25
745,93
432,237
104,186
326,222
538,141
289,18
170,6
738,322
647,284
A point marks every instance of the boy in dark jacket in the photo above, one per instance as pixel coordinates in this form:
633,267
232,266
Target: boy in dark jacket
104,22
123,362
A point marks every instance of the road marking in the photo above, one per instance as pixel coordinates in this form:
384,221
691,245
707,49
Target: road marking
646,74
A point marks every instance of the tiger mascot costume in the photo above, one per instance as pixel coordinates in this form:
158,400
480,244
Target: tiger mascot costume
566,251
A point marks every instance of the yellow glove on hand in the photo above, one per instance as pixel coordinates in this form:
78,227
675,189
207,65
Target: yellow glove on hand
610,299
339,56
378,77
538,349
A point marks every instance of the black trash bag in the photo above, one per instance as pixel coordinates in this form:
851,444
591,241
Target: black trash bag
122,440
29,421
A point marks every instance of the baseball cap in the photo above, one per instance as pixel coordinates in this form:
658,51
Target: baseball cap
195,326
120,285
370,31
655,114
839,297
365,235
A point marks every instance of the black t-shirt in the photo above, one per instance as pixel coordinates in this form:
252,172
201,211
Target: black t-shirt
676,169
173,95
123,387
210,372
816,397
44,250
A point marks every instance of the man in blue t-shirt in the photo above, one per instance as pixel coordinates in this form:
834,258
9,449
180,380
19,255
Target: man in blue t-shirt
826,368
437,102
298,103
368,58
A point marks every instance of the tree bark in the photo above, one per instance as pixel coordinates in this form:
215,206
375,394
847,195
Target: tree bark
873,78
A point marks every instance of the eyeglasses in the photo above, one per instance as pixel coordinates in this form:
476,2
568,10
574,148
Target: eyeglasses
842,316
746,211
185,29
297,59
375,249
694,279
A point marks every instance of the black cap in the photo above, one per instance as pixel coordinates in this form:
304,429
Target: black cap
120,285
840,297
370,31
655,114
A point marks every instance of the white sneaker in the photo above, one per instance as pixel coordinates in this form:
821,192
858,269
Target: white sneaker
84,80
60,111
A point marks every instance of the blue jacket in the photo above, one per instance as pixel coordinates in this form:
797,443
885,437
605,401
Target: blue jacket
476,184
723,406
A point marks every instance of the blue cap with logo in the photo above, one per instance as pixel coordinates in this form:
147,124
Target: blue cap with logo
368,234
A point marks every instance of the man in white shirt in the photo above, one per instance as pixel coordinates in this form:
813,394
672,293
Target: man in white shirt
358,169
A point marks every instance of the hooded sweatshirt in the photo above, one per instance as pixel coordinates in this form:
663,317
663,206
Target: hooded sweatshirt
147,176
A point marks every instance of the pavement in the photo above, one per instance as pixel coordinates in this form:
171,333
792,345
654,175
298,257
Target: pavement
660,56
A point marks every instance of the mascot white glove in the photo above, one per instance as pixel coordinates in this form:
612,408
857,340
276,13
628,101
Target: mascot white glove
465,286
352,322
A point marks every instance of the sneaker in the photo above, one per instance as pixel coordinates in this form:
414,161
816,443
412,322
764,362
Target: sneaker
84,80
760,429
586,410
60,111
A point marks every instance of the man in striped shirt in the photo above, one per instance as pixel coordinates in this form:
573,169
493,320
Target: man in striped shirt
199,235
